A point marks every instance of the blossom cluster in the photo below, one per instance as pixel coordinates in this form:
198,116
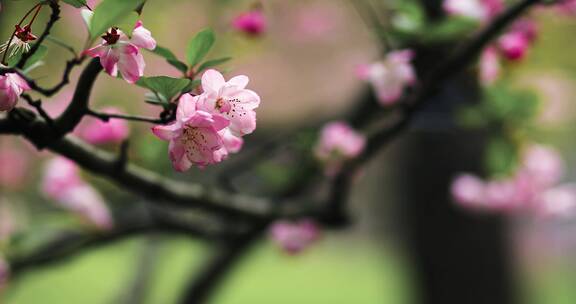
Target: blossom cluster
533,187
210,126
63,184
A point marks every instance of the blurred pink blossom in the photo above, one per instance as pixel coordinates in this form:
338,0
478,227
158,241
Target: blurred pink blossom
294,237
63,184
4,273
390,77
252,22
567,7
86,202
557,202
489,66
96,131
543,165
338,142
515,43
13,167
469,190
11,87
482,10
118,52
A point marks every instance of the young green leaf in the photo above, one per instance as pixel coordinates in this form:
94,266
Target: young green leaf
111,13
76,3
128,23
212,63
168,87
199,46
171,58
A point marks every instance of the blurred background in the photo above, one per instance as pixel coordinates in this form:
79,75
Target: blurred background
303,67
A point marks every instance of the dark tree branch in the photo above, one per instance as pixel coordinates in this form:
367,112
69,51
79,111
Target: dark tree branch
37,104
228,254
72,243
79,104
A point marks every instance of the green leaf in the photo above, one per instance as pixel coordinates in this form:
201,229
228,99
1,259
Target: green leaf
212,63
168,87
76,3
111,13
501,156
37,57
199,46
128,23
171,58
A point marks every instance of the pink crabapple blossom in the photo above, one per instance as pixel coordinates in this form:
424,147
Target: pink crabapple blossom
390,77
11,87
63,184
252,23
194,136
294,237
338,142
231,100
96,131
210,126
120,53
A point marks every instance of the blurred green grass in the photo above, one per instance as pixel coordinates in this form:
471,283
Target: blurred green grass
328,273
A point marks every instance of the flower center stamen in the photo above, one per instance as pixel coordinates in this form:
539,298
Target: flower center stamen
112,36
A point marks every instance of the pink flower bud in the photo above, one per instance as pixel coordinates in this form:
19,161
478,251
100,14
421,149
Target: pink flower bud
8,223
11,87
515,43
96,131
294,237
252,23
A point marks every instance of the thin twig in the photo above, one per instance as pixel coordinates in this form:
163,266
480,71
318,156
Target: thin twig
107,116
